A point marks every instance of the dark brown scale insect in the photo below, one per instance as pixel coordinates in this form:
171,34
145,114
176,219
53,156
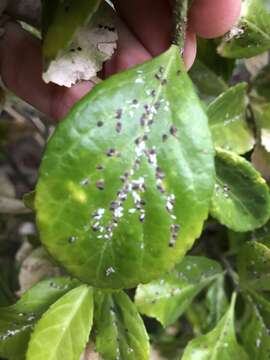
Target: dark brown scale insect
161,69
164,137
157,105
161,189
173,130
100,184
119,114
114,205
100,123
153,93
100,167
135,102
138,141
95,227
111,152
164,82
145,137
71,239
79,48
118,127
143,120
178,72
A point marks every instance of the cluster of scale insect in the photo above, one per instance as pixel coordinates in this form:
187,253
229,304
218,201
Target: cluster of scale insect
131,185
137,186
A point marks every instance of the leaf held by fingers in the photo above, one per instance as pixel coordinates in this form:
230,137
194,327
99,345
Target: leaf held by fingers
119,175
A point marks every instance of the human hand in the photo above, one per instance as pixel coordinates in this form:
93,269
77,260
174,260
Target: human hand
144,30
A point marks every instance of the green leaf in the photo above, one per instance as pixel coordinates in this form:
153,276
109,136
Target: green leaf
120,174
61,19
216,301
17,321
120,330
63,331
219,344
209,85
208,55
254,266
168,298
241,200
227,120
252,35
255,333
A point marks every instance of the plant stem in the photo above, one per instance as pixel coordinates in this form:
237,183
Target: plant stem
180,12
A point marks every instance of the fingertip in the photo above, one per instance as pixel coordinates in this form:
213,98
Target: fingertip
190,49
64,98
212,18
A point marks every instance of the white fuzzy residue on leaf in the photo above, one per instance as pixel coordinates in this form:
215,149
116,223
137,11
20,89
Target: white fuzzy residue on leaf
91,46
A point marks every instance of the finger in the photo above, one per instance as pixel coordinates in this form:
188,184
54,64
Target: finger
130,51
190,49
150,21
21,71
213,18
155,30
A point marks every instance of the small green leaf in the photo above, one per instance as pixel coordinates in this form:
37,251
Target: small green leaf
120,330
63,331
17,321
251,36
61,19
216,301
168,298
255,333
120,174
254,266
227,120
241,200
219,344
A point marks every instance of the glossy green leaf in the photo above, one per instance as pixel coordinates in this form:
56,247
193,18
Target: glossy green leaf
255,333
227,120
254,266
208,55
61,19
17,321
120,174
63,331
169,297
241,200
120,330
251,36
209,85
219,344
217,302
